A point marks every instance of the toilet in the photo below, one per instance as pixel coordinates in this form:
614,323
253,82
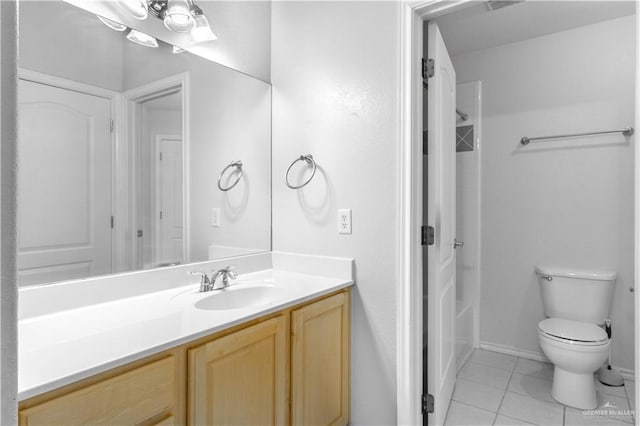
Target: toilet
576,304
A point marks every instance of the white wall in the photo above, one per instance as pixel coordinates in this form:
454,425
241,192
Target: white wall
335,95
67,42
564,203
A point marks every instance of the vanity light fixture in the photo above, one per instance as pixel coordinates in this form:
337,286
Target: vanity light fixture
181,16
139,9
202,31
142,38
116,26
178,17
176,49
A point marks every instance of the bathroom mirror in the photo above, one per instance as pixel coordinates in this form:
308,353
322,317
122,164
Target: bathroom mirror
122,149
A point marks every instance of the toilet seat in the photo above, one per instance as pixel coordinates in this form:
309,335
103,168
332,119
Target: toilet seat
573,332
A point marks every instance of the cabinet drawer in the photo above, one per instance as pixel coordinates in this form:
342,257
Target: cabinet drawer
127,399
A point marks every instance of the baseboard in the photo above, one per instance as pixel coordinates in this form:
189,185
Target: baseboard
626,373
510,350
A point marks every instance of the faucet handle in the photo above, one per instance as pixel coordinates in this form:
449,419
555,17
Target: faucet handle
231,271
204,279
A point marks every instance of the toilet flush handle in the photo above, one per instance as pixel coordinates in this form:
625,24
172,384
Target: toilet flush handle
546,277
607,327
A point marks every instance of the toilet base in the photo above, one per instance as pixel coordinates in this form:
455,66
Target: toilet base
574,389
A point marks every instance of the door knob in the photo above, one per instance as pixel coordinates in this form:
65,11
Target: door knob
457,243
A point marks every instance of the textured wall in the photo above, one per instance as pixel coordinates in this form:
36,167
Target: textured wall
336,84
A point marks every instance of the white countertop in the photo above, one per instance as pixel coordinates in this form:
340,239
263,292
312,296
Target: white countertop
65,346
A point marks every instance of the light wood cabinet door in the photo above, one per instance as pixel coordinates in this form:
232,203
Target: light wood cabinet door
144,396
241,378
320,347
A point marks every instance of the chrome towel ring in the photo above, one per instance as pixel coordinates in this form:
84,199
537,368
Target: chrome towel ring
309,159
238,166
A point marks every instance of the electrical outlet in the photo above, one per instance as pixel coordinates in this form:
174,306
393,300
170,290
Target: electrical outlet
215,217
344,221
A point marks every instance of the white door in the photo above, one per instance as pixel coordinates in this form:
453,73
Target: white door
64,184
441,214
169,205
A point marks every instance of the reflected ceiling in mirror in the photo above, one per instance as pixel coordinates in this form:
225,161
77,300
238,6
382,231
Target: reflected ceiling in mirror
121,147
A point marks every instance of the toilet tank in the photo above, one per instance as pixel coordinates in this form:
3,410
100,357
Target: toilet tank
580,295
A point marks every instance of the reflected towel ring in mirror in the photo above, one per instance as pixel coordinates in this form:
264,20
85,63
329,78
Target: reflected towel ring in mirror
309,159
238,166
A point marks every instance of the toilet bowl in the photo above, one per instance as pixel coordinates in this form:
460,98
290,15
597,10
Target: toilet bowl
576,349
576,304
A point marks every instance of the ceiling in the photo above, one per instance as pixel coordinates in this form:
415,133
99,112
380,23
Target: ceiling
476,28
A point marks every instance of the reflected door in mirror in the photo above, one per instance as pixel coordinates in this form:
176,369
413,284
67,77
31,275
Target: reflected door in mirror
170,192
64,184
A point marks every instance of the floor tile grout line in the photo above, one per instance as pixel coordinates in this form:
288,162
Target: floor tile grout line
527,396
477,381
472,405
507,386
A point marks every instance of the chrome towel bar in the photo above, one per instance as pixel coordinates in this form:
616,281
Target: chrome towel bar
238,166
627,131
309,160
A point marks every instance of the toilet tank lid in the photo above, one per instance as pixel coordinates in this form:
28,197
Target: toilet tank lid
589,274
573,330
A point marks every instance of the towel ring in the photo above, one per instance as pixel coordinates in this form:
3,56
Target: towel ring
309,159
238,166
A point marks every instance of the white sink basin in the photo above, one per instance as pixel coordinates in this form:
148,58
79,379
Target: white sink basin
239,297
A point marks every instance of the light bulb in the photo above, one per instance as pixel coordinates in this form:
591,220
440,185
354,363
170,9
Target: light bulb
178,16
137,8
117,26
142,39
202,31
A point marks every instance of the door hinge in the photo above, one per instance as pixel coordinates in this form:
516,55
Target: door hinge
112,222
139,233
425,142
111,126
160,215
160,156
428,68
428,235
427,403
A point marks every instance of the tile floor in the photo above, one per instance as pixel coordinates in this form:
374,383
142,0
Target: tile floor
498,389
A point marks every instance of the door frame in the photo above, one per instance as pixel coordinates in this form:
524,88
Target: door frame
409,272
158,188
118,210
132,99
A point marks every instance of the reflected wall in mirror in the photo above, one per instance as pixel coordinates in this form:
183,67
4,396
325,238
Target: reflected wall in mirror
121,147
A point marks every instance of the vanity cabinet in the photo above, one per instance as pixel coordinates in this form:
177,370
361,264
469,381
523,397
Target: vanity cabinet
241,378
320,362
291,367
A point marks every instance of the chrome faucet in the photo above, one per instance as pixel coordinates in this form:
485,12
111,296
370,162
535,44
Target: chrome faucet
205,282
209,284
227,273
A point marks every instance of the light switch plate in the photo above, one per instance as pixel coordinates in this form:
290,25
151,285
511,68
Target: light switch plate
215,217
344,221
